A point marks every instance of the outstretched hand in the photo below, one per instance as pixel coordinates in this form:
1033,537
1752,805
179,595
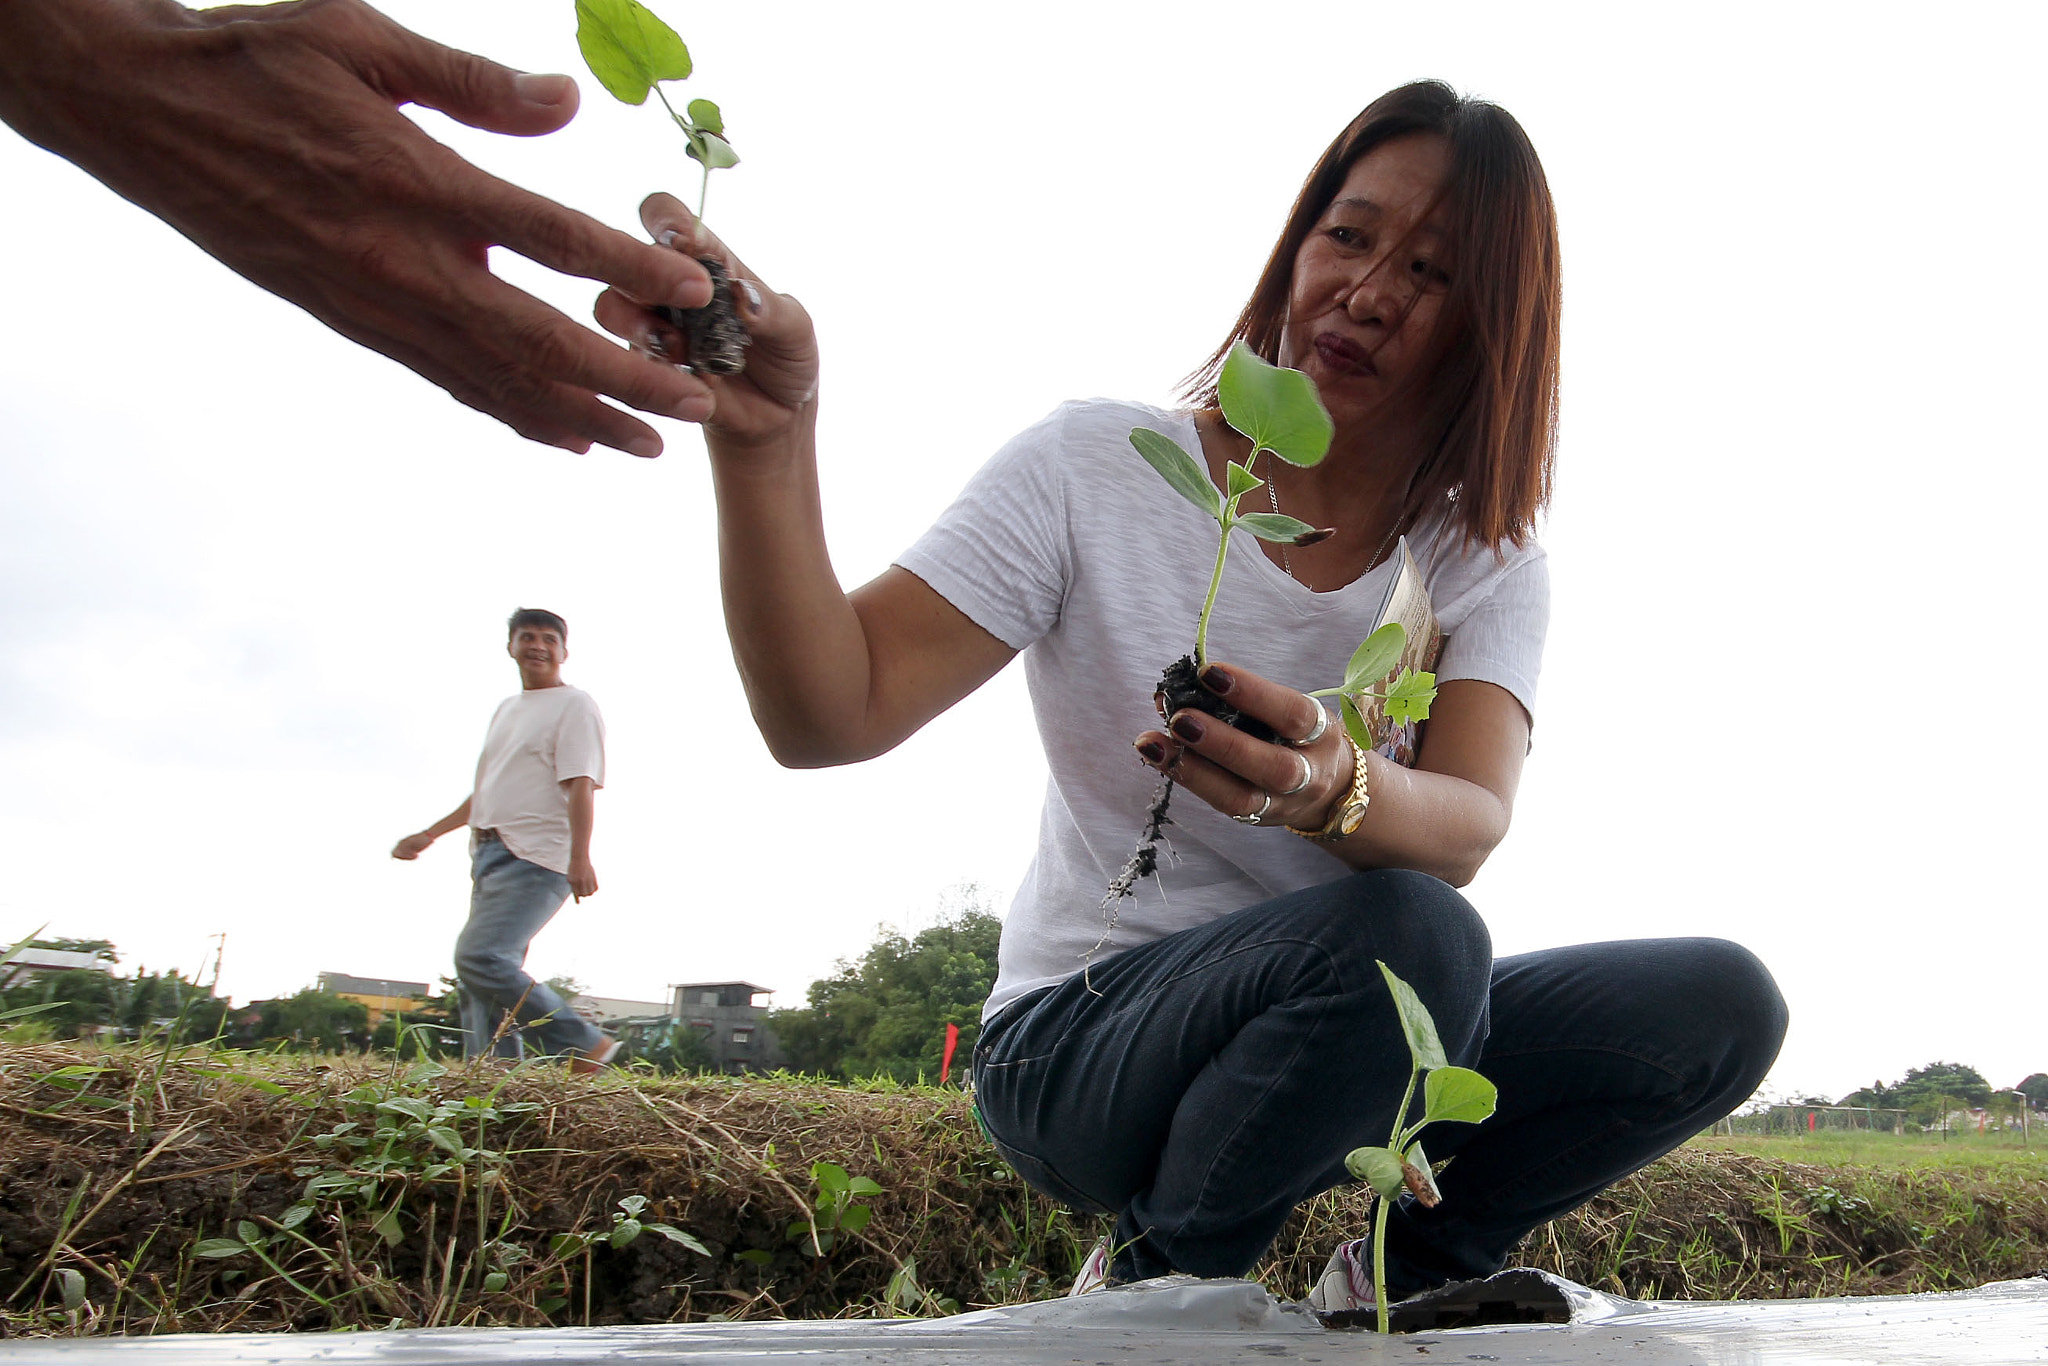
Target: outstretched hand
1234,772
271,136
772,395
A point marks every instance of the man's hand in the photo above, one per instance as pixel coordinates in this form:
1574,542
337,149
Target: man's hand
412,846
270,135
582,878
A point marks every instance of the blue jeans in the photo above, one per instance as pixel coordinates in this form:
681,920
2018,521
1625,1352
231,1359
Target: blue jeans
510,902
1201,1086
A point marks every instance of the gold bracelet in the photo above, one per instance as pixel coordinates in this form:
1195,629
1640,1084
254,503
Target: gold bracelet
1350,809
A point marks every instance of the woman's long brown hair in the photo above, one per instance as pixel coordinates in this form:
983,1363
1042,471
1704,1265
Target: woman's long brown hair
1490,403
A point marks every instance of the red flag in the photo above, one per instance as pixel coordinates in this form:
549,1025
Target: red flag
952,1042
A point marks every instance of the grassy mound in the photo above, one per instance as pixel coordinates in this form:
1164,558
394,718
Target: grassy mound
190,1191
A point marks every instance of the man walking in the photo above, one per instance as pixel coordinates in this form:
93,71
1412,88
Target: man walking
530,813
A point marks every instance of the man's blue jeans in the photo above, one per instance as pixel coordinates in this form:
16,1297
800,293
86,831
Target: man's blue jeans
510,902
1203,1085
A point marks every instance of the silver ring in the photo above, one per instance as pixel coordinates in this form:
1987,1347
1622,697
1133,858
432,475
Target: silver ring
1255,817
1322,724
1308,773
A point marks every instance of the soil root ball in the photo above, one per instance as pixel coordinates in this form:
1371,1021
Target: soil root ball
1179,689
717,339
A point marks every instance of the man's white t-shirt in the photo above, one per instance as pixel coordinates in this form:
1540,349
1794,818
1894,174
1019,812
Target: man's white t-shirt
538,740
1068,546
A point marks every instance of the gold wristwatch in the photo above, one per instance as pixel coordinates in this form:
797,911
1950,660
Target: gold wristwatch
1350,809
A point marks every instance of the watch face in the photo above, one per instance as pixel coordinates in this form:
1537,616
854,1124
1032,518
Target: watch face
1353,817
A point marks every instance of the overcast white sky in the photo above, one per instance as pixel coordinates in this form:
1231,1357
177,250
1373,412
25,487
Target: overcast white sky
255,578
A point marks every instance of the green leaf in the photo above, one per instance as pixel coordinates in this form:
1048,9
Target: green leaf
385,1226
20,1011
627,48
495,1281
704,117
248,1233
676,1235
862,1185
218,1247
1419,1160
551,1304
1274,526
295,1216
1377,1167
714,151
624,1232
1179,469
856,1218
447,1140
1354,724
71,1287
754,1256
1375,657
1275,407
1242,480
1410,697
831,1177
1423,1044
407,1106
1457,1095
633,1204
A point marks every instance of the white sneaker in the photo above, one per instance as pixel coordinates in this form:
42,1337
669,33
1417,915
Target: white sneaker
1094,1273
1346,1285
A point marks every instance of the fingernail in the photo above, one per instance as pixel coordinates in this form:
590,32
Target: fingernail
1187,727
753,296
1217,679
646,447
692,409
668,237
1151,751
543,91
656,342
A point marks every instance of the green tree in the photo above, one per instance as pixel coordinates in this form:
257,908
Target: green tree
2036,1089
312,1021
886,1015
1928,1093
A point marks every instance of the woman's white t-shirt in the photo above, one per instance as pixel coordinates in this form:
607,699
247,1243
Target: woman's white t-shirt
1068,547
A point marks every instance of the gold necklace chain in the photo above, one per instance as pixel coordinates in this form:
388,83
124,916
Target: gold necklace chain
1286,564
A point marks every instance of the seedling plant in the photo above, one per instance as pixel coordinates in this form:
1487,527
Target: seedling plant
1449,1095
631,52
1277,410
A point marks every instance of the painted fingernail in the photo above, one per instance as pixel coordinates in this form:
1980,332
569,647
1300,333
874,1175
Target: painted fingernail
1151,751
1187,727
753,294
1217,679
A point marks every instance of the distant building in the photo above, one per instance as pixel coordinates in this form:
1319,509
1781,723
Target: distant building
734,1030
28,965
382,996
602,1009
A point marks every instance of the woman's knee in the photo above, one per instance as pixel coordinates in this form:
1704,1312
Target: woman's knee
1731,997
1419,926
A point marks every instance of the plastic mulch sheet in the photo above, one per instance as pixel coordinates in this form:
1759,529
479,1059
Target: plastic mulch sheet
1519,1318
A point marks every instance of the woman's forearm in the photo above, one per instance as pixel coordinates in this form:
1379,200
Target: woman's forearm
1431,822
799,644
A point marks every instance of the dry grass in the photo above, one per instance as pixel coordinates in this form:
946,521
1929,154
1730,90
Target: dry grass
117,1167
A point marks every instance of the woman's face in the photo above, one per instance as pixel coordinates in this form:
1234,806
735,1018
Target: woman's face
1370,278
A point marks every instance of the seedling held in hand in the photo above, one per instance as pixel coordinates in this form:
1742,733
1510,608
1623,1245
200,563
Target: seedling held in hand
1454,1095
631,52
1277,410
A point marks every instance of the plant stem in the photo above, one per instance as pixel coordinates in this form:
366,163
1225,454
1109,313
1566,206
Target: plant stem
703,190
1209,603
